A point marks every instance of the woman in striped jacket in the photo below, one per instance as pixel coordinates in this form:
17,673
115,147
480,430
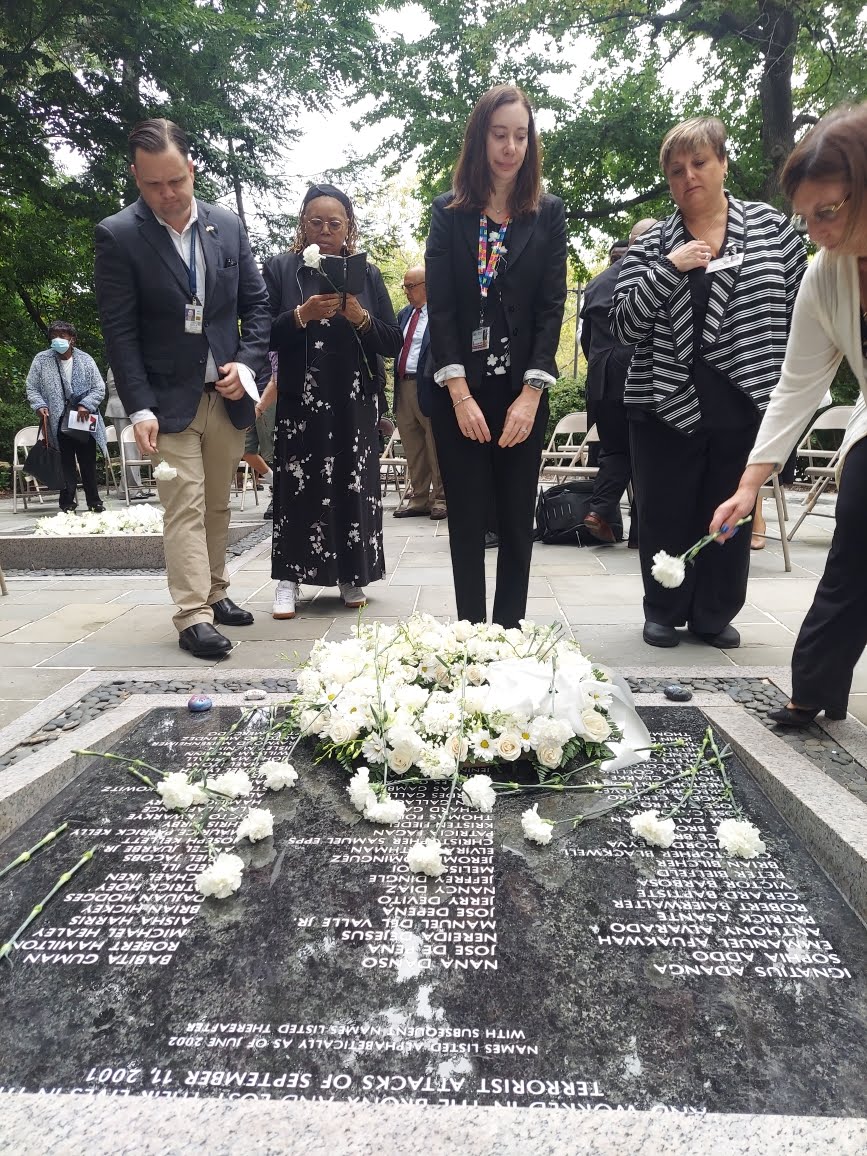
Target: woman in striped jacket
706,297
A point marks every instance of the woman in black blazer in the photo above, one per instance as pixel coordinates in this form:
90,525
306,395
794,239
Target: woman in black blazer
496,289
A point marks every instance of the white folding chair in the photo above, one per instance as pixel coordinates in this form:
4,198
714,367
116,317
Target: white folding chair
130,456
822,463
245,471
564,444
22,482
574,466
392,462
110,477
772,488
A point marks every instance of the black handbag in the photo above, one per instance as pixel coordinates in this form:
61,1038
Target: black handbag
77,435
560,512
43,462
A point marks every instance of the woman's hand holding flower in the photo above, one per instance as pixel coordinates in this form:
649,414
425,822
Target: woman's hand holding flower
520,417
741,503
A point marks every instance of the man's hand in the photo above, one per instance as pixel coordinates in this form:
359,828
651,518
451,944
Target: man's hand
146,433
229,386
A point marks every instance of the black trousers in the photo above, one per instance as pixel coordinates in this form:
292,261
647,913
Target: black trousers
72,450
679,482
834,633
479,477
615,465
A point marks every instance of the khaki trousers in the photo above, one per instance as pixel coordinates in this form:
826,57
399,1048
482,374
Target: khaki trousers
196,527
419,448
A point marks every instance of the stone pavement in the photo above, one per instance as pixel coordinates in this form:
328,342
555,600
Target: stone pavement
54,628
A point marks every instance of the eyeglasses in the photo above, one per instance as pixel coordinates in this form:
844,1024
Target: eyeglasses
318,225
823,216
411,285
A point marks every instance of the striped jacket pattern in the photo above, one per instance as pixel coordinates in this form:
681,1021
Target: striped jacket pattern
746,324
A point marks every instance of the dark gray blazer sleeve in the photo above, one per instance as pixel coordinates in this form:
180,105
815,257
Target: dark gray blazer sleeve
117,302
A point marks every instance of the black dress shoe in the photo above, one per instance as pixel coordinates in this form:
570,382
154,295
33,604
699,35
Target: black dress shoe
655,634
800,717
204,641
99,508
228,614
491,540
727,639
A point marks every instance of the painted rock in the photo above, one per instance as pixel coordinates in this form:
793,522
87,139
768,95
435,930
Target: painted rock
199,703
677,693
255,695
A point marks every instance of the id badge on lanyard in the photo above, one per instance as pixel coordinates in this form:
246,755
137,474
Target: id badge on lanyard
481,339
194,313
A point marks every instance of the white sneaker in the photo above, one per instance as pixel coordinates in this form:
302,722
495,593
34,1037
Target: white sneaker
353,596
284,600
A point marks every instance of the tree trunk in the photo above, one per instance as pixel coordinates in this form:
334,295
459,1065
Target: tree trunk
236,184
775,93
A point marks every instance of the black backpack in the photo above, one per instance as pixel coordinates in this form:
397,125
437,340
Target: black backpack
560,514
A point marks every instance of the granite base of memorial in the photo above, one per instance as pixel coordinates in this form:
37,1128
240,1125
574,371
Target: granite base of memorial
93,551
673,991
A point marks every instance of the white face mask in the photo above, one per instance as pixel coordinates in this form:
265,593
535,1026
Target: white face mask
60,345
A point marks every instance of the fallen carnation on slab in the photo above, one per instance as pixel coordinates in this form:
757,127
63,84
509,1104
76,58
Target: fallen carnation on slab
740,838
176,792
256,825
648,826
222,877
232,783
278,775
387,810
536,829
479,794
427,857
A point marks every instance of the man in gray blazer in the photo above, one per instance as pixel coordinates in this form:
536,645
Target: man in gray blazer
174,278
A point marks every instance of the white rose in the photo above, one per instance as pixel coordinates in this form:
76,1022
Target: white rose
399,761
475,674
340,730
648,826
165,473
427,857
257,824
458,747
596,725
232,783
222,877
741,839
668,571
176,792
535,828
387,810
508,746
312,257
462,630
278,775
479,794
549,756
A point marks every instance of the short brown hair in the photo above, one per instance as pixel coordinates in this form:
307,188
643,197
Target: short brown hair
836,147
472,179
696,133
156,136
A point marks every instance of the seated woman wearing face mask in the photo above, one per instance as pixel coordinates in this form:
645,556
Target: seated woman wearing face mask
63,378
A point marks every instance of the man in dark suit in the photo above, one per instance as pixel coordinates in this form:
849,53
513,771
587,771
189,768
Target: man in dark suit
426,495
174,277
607,366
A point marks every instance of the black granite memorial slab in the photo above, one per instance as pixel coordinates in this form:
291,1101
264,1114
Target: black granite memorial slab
596,973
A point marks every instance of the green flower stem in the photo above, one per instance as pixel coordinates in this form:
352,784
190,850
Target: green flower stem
457,771
124,759
633,798
197,771
6,948
531,788
700,762
690,554
26,856
718,761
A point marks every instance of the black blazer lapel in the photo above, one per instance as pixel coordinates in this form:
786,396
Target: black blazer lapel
520,232
212,250
725,281
157,237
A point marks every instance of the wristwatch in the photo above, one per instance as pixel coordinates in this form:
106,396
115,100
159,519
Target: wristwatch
539,386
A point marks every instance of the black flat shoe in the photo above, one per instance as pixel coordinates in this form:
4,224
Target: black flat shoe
100,509
802,717
226,613
727,639
655,634
204,641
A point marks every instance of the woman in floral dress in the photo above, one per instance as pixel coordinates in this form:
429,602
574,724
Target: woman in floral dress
327,500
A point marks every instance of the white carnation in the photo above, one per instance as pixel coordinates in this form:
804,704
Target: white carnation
427,857
536,828
222,877
176,792
312,256
479,794
165,473
668,571
359,790
387,810
648,826
278,775
741,839
257,824
232,783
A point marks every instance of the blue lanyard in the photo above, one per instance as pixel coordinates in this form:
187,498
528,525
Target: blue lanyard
191,268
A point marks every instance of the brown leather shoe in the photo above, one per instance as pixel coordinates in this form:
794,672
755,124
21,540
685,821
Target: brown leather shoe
599,528
439,512
411,512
